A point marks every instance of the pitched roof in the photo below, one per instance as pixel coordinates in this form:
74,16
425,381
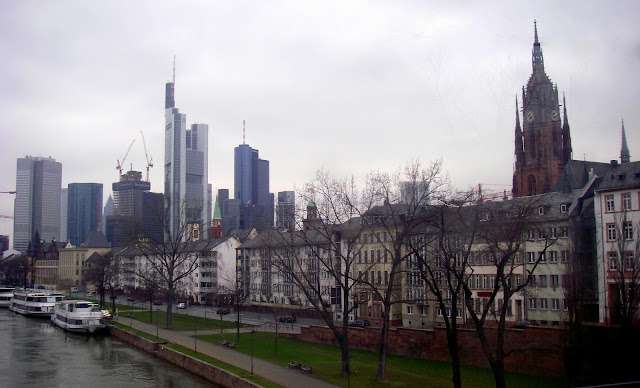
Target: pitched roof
96,239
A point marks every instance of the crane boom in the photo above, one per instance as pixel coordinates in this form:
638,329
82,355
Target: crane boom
120,163
149,160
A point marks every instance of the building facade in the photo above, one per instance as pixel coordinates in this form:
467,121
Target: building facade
286,210
251,187
37,203
84,211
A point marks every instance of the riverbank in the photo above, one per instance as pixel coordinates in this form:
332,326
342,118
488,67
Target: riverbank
272,374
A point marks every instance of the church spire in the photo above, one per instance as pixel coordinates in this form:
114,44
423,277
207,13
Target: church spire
536,55
519,145
566,133
624,150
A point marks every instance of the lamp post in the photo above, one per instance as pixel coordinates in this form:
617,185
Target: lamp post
157,322
252,331
195,337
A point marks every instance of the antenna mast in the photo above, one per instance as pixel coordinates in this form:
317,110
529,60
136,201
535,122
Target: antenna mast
174,69
243,133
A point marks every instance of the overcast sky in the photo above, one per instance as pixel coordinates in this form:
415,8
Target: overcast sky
349,86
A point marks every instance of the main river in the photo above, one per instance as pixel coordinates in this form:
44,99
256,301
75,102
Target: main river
33,353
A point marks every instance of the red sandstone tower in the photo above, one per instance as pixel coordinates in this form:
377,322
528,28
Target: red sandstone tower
542,144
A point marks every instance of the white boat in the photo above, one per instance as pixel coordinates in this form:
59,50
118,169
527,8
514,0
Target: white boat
78,315
6,293
37,303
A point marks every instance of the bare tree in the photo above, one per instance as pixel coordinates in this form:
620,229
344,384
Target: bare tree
171,261
103,272
501,236
441,250
622,247
16,270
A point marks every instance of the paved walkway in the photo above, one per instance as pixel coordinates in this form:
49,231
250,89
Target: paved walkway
270,371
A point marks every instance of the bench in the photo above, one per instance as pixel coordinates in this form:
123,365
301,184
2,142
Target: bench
295,365
306,369
231,345
224,343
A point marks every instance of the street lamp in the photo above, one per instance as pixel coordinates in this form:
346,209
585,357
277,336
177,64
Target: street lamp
252,331
157,309
195,337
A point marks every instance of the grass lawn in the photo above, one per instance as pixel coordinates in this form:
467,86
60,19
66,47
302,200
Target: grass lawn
401,371
182,322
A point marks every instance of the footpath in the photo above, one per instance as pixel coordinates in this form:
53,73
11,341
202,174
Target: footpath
278,374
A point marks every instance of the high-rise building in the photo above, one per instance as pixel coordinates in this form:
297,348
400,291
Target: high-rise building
229,211
84,211
137,213
64,203
543,143
37,203
251,187
286,211
187,191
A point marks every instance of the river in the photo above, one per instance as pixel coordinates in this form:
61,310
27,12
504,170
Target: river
33,353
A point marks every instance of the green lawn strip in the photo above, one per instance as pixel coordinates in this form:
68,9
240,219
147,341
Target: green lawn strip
401,371
222,365
139,333
182,322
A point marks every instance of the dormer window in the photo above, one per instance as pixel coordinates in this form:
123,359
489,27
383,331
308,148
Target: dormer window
541,210
563,208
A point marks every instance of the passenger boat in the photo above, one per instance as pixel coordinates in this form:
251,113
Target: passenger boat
34,302
6,293
78,315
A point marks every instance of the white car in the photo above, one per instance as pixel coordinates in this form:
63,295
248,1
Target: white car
182,305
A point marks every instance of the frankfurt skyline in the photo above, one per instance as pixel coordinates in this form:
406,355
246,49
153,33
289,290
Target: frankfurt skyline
347,87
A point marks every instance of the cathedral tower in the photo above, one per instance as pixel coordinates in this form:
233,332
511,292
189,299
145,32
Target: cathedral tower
543,144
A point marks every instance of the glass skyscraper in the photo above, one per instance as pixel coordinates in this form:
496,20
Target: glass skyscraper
37,203
84,211
251,187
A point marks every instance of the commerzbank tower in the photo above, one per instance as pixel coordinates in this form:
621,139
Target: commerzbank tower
186,186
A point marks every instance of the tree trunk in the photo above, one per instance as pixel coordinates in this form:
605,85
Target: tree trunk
344,349
452,343
382,354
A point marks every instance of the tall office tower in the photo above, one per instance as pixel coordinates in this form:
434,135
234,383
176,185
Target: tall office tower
84,211
251,187
186,186
108,211
286,214
37,203
137,213
64,202
229,211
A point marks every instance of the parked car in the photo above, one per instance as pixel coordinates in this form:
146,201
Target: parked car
287,318
182,305
90,294
157,303
522,324
366,322
106,314
357,323
223,311
131,299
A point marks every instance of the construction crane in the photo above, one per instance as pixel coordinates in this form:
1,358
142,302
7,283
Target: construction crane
3,216
7,192
120,163
149,160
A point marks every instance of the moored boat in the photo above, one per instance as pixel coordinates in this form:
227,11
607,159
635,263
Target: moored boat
78,316
37,303
6,293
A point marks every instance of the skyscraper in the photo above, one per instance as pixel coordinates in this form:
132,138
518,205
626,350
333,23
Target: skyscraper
251,187
84,211
37,203
286,217
186,186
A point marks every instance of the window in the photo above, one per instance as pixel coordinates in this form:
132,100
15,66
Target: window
542,257
544,303
629,261
555,304
532,304
366,256
541,210
611,232
553,257
610,203
386,277
439,312
531,257
409,309
379,256
542,281
627,231
564,256
626,201
565,306
613,261
563,208
553,232
555,281
564,232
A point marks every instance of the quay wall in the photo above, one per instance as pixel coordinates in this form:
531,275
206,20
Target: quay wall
210,372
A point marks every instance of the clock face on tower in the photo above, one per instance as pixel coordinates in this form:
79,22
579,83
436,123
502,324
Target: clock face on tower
529,116
554,115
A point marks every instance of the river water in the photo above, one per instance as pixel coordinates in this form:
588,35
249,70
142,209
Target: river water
33,353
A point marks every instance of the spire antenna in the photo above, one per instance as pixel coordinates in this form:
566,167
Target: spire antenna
535,31
243,133
174,69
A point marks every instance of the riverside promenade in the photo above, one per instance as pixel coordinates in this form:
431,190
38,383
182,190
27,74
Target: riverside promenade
278,374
